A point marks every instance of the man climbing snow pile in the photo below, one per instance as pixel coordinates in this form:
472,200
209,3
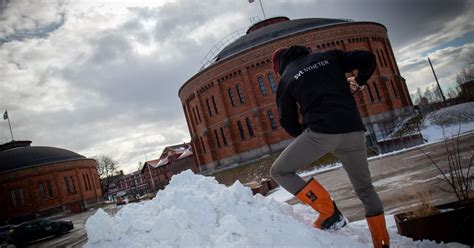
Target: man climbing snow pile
315,86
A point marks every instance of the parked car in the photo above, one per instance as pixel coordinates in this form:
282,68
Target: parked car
5,232
37,229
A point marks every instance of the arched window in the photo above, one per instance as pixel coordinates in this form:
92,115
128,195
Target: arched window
215,105
231,97
203,145
377,91
394,88
223,136
241,94
273,85
217,138
261,83
271,118
208,107
241,130
370,93
249,127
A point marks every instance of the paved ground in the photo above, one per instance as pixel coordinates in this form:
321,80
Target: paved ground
397,178
76,237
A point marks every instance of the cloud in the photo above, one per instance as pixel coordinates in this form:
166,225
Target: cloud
102,77
447,63
30,18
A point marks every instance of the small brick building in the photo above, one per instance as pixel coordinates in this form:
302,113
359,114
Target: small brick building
230,104
38,180
173,160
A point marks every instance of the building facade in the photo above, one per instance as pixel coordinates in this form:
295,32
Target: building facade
131,184
37,181
173,160
230,104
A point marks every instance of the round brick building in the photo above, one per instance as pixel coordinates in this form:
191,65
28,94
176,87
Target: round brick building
230,104
37,181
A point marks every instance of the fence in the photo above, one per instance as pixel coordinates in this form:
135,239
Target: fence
395,138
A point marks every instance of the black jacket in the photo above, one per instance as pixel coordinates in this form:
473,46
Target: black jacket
316,82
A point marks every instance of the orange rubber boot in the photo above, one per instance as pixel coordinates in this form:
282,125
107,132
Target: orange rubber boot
319,199
379,232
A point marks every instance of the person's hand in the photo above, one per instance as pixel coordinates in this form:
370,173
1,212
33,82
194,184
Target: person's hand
353,85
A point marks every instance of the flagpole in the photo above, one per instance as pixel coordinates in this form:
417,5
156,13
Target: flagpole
6,117
263,11
11,132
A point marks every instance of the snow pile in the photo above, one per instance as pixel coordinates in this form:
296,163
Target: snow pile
196,211
449,122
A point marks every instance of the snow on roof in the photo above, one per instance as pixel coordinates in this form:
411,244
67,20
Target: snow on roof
171,153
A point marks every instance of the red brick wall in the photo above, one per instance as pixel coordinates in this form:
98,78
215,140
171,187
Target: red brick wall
244,69
29,179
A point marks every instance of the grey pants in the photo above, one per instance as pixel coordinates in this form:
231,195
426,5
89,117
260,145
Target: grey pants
349,148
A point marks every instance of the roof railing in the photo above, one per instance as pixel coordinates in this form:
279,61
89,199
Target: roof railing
211,56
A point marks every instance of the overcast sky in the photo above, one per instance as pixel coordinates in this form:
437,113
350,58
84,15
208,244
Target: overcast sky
102,77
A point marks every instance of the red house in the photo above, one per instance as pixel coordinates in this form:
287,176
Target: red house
173,160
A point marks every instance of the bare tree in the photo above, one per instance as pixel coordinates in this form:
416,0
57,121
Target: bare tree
139,166
455,171
464,76
106,168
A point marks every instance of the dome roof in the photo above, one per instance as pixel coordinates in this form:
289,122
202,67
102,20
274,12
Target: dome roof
30,156
274,31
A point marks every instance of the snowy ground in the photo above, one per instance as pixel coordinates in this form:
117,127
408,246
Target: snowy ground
448,122
197,211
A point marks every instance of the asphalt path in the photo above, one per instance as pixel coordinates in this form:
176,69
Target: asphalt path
398,179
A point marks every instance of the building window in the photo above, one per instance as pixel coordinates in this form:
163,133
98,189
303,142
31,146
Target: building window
208,107
202,145
249,127
240,92
394,88
241,130
370,93
231,97
377,91
42,191
71,188
215,105
195,115
50,189
383,57
199,115
271,118
223,136
273,85
261,83
88,181
217,138
85,182
379,58
18,199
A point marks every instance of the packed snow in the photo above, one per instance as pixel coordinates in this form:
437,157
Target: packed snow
448,122
197,211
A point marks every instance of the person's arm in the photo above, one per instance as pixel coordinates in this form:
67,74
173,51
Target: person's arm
288,110
363,61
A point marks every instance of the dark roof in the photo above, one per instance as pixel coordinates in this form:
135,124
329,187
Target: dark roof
274,31
30,156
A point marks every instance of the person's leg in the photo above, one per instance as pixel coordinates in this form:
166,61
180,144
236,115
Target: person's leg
305,149
353,155
302,151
